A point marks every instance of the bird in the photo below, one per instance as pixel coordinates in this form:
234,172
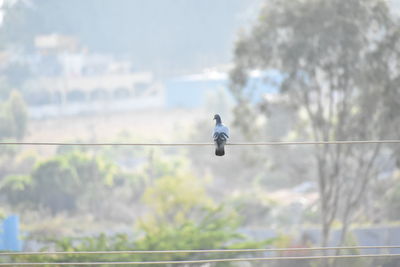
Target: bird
220,135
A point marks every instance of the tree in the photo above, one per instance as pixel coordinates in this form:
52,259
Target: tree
19,114
5,88
176,199
13,124
339,62
13,117
62,184
55,184
180,216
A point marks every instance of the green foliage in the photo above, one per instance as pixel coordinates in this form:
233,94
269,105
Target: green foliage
15,187
255,208
180,216
13,117
59,183
175,199
2,214
55,183
19,114
95,243
351,241
215,231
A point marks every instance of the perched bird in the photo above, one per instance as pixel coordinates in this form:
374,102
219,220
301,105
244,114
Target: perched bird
220,135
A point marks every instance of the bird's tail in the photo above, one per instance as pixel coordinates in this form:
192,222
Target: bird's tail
220,151
220,140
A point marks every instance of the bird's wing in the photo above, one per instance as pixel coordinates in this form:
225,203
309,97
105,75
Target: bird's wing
225,130
221,129
215,132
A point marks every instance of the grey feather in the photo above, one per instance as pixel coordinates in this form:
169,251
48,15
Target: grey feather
220,136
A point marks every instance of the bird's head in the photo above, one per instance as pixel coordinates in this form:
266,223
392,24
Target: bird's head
217,118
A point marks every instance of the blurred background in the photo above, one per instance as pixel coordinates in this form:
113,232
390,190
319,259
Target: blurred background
158,71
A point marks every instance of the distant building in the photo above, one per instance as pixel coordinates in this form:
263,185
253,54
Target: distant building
57,96
54,43
68,80
191,91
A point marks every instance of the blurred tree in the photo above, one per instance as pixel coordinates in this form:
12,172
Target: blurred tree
19,114
181,216
61,183
13,124
18,18
392,203
15,189
213,232
16,74
55,185
339,62
176,199
13,117
5,88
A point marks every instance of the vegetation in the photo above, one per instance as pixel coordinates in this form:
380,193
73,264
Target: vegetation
337,69
336,59
179,215
13,117
59,184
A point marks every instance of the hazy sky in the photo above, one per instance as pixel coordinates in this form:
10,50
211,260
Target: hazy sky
162,36
1,11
